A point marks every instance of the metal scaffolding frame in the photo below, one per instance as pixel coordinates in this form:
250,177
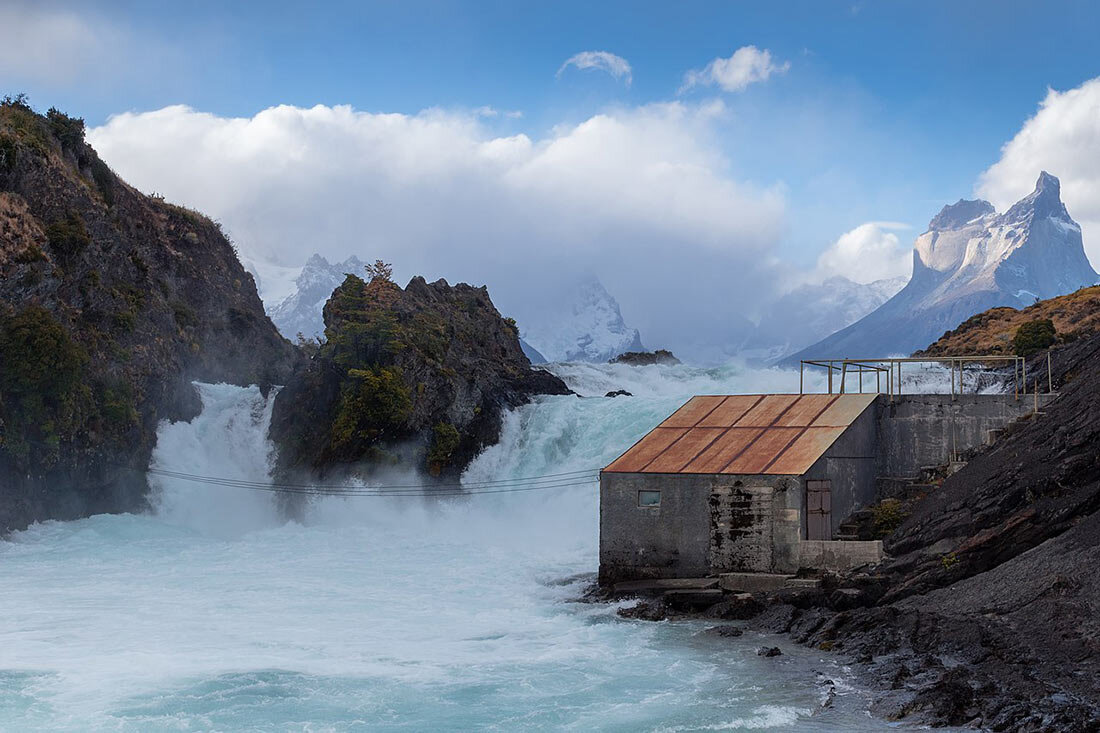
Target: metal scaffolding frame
891,368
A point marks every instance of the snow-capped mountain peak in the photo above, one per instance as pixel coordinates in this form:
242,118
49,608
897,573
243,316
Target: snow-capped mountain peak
971,259
300,312
587,325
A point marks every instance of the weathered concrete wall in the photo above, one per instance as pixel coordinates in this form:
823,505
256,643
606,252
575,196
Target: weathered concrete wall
705,525
916,431
839,556
850,465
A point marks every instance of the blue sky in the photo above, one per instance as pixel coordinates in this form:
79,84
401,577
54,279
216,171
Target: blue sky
877,111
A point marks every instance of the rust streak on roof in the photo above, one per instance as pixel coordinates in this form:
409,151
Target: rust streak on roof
693,411
732,443
744,434
804,451
768,409
756,458
683,451
646,449
842,412
730,411
802,413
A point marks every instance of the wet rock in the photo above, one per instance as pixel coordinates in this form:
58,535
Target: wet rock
769,651
727,631
736,606
645,610
619,393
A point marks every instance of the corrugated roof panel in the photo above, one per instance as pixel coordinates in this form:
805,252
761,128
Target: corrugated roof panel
771,434
805,451
803,412
846,409
758,455
767,410
723,450
693,411
730,411
646,449
680,453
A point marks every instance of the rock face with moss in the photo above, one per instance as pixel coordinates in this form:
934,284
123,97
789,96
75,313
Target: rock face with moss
418,376
111,302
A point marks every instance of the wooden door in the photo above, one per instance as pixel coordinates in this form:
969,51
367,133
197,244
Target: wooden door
819,510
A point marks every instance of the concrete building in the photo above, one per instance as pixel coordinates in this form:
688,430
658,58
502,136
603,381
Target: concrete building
761,483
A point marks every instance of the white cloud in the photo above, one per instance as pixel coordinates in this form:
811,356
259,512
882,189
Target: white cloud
641,197
748,65
51,44
867,253
1062,138
616,66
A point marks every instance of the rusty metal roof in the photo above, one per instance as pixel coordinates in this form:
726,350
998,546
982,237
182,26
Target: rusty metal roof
768,434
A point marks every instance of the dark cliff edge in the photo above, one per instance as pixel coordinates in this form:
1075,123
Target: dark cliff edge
416,377
986,613
111,303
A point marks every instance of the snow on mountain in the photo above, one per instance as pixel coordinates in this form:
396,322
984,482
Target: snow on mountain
585,326
971,259
300,311
811,311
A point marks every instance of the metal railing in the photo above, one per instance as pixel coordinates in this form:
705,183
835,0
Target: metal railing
890,368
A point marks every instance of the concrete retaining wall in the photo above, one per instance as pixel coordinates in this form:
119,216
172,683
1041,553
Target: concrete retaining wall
915,431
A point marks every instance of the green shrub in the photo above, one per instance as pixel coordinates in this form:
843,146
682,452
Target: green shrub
68,236
445,439
68,130
42,388
887,516
7,153
374,404
1034,336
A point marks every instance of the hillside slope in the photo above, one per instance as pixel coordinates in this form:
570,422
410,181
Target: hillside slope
1075,315
111,302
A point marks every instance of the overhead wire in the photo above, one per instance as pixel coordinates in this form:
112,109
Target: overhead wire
499,486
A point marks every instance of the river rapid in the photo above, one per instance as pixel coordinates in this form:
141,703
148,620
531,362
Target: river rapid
211,612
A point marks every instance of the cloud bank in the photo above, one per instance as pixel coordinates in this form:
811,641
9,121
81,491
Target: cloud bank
1062,138
867,253
616,66
641,197
748,65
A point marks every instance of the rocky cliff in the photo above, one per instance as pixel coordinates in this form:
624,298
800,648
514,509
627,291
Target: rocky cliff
972,259
417,377
111,302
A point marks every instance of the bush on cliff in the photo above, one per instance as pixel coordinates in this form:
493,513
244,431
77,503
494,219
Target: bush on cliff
1034,336
42,392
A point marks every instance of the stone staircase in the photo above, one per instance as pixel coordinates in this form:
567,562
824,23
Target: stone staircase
860,525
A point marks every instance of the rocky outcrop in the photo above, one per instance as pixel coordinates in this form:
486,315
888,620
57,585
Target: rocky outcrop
417,377
645,358
111,302
971,259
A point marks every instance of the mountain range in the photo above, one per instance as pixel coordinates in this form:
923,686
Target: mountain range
971,259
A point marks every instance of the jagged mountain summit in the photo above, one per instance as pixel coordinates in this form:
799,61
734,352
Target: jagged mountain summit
972,259
300,312
587,326
813,310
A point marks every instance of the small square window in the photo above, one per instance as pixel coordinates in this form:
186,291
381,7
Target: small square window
649,498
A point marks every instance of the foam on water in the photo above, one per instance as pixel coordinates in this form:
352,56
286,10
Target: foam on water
211,613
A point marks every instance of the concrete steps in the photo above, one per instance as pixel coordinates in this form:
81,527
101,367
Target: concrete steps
763,582
657,586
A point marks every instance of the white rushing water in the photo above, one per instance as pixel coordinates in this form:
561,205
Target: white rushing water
212,613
